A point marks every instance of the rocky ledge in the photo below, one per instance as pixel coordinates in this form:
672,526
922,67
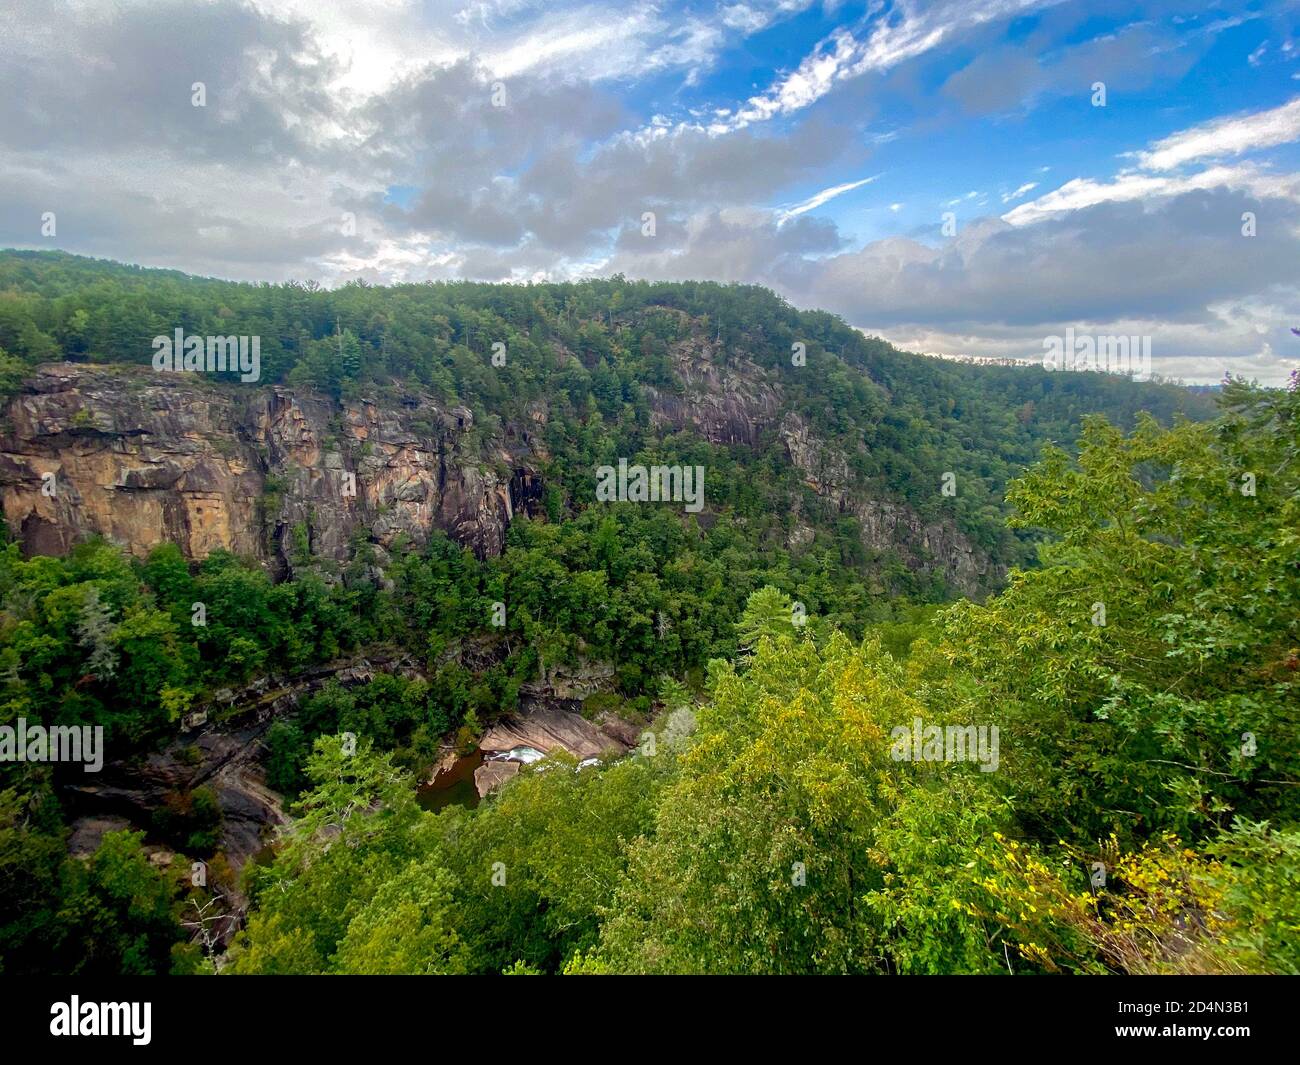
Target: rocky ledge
144,458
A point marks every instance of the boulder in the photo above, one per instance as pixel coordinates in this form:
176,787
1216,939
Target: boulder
491,775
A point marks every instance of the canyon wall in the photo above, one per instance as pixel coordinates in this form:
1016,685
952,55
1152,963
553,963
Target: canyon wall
142,458
742,403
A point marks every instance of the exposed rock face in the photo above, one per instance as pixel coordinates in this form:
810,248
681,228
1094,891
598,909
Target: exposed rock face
89,832
723,405
138,460
924,545
886,525
491,775
142,458
548,728
825,470
226,762
742,404
127,794
220,747
571,684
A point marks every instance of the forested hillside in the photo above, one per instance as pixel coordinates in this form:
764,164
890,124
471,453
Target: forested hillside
1138,661
595,356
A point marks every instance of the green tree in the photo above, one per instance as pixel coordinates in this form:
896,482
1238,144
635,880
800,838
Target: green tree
768,612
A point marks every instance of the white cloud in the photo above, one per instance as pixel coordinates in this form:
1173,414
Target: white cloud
1027,187
395,39
813,80
1082,193
822,197
375,51
841,56
1225,136
597,42
1232,135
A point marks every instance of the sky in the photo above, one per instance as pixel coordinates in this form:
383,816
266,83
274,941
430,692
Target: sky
961,177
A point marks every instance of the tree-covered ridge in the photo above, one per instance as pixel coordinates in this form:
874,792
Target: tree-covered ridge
779,835
594,354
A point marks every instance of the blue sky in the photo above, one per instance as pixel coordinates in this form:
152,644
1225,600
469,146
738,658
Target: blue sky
809,145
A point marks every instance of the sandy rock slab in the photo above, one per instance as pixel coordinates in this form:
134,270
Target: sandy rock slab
491,775
547,729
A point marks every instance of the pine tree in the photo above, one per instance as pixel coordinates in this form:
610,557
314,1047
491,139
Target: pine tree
95,630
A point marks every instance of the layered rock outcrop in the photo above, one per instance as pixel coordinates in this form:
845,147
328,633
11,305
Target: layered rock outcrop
724,405
143,458
544,727
887,525
548,728
225,762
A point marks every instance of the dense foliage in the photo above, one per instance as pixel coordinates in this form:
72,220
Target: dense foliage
771,830
1141,668
780,835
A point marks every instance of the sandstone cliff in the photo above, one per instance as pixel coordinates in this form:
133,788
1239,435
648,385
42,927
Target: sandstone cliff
143,458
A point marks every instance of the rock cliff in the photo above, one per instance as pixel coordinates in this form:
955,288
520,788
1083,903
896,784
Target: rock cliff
741,403
143,458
